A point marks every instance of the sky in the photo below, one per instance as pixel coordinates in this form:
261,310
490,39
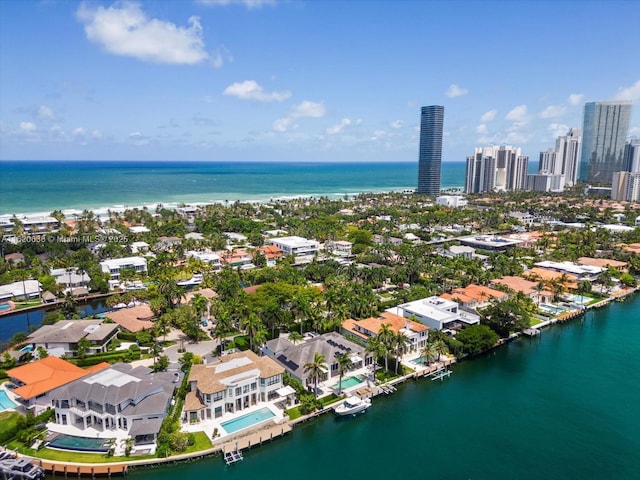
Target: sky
308,81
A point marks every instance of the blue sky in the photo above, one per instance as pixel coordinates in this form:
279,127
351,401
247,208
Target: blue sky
318,80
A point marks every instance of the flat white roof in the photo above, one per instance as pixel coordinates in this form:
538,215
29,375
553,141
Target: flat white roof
110,377
293,241
118,262
570,267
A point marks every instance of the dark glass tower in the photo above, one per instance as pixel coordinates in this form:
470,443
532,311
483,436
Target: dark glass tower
430,155
603,137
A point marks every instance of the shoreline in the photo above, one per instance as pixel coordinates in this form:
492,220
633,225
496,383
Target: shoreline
288,425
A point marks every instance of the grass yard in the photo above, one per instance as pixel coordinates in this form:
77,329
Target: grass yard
8,421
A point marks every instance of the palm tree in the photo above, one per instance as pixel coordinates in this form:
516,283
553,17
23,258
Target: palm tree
252,325
429,352
199,304
344,364
315,368
401,343
295,337
386,335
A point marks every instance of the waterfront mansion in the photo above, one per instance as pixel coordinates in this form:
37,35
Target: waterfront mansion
236,382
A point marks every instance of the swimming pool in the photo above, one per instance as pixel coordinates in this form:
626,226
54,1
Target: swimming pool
349,382
579,299
420,360
27,348
248,420
5,402
80,444
552,309
5,306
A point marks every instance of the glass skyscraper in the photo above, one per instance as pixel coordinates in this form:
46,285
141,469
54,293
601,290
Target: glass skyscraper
603,138
430,155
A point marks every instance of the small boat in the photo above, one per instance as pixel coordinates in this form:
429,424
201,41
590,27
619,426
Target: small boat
352,406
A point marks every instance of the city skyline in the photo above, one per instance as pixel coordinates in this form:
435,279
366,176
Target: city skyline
272,80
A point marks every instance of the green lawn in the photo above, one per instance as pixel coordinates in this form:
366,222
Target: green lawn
202,443
8,421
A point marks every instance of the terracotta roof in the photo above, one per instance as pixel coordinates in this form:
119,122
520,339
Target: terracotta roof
517,284
395,322
44,375
132,319
550,275
601,262
478,293
210,378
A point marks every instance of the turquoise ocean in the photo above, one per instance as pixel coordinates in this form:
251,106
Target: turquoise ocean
72,186
564,406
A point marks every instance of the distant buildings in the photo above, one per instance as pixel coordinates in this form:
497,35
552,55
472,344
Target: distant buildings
430,154
603,141
496,168
632,155
558,166
455,201
625,186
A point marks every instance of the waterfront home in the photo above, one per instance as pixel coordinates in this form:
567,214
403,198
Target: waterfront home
437,313
526,287
210,258
236,258
23,290
34,381
474,296
118,400
62,337
537,274
620,267
582,272
362,330
70,278
113,266
236,382
293,357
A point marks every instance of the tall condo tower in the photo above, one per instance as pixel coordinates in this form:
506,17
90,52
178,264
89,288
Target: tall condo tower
604,134
430,155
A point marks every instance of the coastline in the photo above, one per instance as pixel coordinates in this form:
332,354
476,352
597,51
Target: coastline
243,439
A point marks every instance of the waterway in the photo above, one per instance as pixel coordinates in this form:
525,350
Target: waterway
25,321
563,405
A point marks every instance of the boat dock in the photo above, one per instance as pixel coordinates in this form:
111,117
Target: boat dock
254,439
233,456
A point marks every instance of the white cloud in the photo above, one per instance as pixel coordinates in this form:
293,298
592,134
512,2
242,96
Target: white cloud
575,99
553,111
339,127
517,137
558,129
27,127
78,132
124,29
96,134
251,90
282,124
396,124
629,93
455,91
250,4
219,56
378,135
488,116
45,113
308,109
482,128
517,114
634,131
138,138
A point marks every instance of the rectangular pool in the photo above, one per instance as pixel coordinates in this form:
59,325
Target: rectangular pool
552,309
349,382
247,420
79,444
5,402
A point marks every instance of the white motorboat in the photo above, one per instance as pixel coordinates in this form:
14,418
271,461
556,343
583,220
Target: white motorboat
352,406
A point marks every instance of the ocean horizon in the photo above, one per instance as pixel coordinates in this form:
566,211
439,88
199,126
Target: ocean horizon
38,187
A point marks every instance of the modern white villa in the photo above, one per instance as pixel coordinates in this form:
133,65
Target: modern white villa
437,313
296,246
237,382
112,266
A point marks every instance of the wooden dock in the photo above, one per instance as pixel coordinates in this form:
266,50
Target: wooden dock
256,438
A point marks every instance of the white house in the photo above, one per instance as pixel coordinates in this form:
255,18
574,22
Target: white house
112,266
20,290
455,201
436,312
235,383
70,277
296,246
211,258
62,337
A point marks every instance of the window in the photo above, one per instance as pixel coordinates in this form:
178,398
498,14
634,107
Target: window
245,389
218,396
238,391
254,386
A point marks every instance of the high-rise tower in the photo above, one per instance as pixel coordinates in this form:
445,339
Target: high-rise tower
430,155
603,137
